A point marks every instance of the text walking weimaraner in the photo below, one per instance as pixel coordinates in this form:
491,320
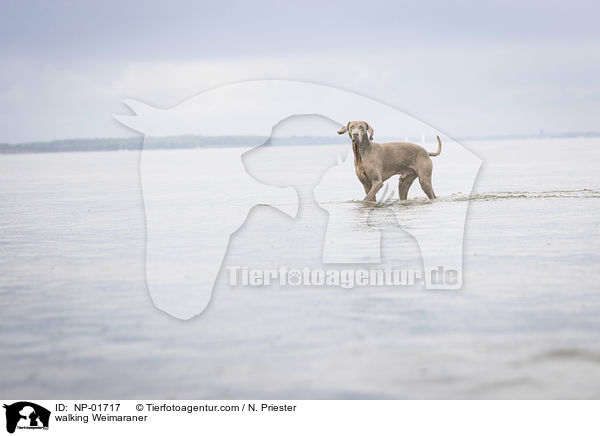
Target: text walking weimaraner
375,163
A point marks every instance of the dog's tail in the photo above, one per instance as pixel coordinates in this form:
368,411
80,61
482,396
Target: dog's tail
439,150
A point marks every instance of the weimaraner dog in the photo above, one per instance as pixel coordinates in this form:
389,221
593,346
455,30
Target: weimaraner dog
375,163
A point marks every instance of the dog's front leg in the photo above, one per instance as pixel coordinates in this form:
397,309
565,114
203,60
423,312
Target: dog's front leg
366,185
375,186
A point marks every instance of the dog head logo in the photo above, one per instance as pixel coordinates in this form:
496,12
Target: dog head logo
190,215
26,415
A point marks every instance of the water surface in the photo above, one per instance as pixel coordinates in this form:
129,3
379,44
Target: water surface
78,322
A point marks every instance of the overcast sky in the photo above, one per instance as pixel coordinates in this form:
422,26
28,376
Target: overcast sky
467,68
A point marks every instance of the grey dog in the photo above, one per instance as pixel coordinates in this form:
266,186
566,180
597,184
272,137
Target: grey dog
375,163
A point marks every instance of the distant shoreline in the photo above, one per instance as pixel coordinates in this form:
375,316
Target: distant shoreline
192,141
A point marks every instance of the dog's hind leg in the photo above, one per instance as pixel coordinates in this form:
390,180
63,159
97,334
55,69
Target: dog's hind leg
424,174
426,186
406,180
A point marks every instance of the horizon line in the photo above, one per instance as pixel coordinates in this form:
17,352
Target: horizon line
541,134
180,142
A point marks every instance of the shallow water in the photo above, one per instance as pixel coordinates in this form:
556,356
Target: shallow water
78,321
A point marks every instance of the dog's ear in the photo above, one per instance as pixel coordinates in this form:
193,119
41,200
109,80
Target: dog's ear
370,130
343,130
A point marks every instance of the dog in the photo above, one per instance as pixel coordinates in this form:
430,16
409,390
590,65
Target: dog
375,163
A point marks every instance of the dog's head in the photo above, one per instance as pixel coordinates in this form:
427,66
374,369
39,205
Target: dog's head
357,130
